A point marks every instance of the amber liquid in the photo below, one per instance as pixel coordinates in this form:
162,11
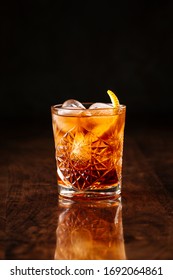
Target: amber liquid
89,150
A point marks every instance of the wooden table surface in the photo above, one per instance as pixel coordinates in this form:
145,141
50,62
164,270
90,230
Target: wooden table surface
34,224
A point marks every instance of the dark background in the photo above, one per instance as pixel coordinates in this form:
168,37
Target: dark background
53,51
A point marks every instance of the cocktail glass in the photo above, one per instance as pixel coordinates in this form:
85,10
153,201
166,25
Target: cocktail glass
88,150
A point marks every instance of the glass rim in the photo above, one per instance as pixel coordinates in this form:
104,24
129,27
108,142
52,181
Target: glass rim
57,107
86,112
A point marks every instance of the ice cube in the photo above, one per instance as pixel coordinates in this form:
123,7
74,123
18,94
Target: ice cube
101,109
71,107
93,110
101,118
69,111
100,105
72,103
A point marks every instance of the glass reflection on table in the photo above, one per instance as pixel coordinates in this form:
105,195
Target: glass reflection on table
89,231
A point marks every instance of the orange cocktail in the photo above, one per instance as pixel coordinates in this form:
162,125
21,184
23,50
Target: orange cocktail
89,148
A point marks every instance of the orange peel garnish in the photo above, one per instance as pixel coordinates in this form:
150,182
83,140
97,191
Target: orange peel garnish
114,99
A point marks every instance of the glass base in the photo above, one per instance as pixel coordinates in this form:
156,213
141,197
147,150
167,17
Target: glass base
110,193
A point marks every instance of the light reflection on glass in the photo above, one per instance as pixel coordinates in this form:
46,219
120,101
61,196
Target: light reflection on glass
89,231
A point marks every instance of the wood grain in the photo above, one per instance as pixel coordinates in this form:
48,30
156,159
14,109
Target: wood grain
147,207
29,202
